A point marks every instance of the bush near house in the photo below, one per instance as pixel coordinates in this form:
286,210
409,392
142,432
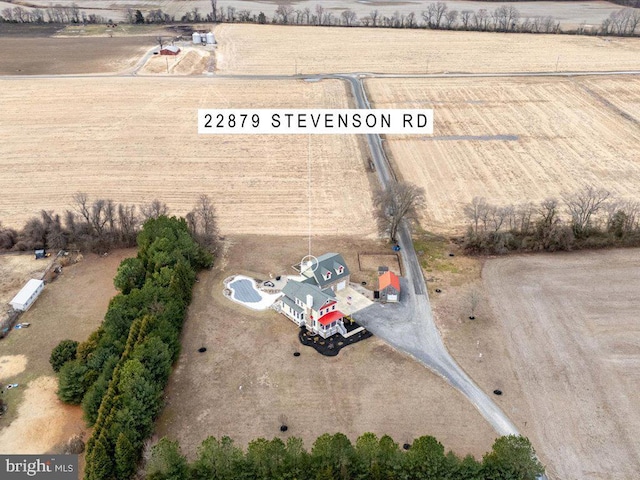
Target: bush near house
120,371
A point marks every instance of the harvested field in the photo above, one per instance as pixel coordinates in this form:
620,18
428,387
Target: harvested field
371,262
61,56
573,343
248,376
515,140
71,307
269,49
15,271
135,139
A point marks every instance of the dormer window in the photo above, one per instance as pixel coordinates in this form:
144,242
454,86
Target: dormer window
327,275
339,270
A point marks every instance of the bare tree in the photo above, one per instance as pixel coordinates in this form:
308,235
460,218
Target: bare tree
465,17
214,11
583,205
450,18
548,212
319,14
374,15
202,222
154,209
398,202
348,17
480,19
477,211
127,223
284,12
411,20
474,297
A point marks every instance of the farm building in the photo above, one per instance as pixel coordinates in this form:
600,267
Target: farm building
27,295
388,286
328,271
170,50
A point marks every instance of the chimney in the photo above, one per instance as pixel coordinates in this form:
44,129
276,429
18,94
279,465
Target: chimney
309,301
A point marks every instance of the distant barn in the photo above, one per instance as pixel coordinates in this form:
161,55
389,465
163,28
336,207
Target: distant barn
170,50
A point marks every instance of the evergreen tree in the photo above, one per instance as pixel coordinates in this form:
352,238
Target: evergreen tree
72,382
167,462
64,352
125,458
511,458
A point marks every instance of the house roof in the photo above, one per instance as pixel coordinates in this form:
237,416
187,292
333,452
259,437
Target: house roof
294,289
329,262
331,317
292,304
25,293
171,48
389,279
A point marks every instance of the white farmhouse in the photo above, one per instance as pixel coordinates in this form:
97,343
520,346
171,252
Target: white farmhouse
312,302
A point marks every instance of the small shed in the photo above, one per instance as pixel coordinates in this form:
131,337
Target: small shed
170,50
389,287
40,253
27,295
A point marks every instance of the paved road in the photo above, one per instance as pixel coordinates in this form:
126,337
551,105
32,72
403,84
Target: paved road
415,331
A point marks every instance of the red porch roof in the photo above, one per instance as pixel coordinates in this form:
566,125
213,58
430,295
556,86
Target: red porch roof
327,318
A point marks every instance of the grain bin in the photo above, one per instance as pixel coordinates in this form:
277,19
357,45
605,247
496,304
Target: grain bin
210,38
196,37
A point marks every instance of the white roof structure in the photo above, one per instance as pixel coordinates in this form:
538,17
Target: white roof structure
27,292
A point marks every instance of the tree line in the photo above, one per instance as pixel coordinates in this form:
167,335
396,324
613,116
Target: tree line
102,224
588,218
54,14
119,373
437,16
335,457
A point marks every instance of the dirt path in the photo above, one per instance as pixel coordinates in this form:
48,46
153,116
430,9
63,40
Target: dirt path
43,420
12,365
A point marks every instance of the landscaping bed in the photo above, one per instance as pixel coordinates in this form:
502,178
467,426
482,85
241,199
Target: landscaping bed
332,345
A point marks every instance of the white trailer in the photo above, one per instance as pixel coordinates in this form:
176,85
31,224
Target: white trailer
27,295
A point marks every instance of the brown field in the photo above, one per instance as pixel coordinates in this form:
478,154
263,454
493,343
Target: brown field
574,342
71,307
248,377
268,49
515,140
63,56
558,335
135,139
